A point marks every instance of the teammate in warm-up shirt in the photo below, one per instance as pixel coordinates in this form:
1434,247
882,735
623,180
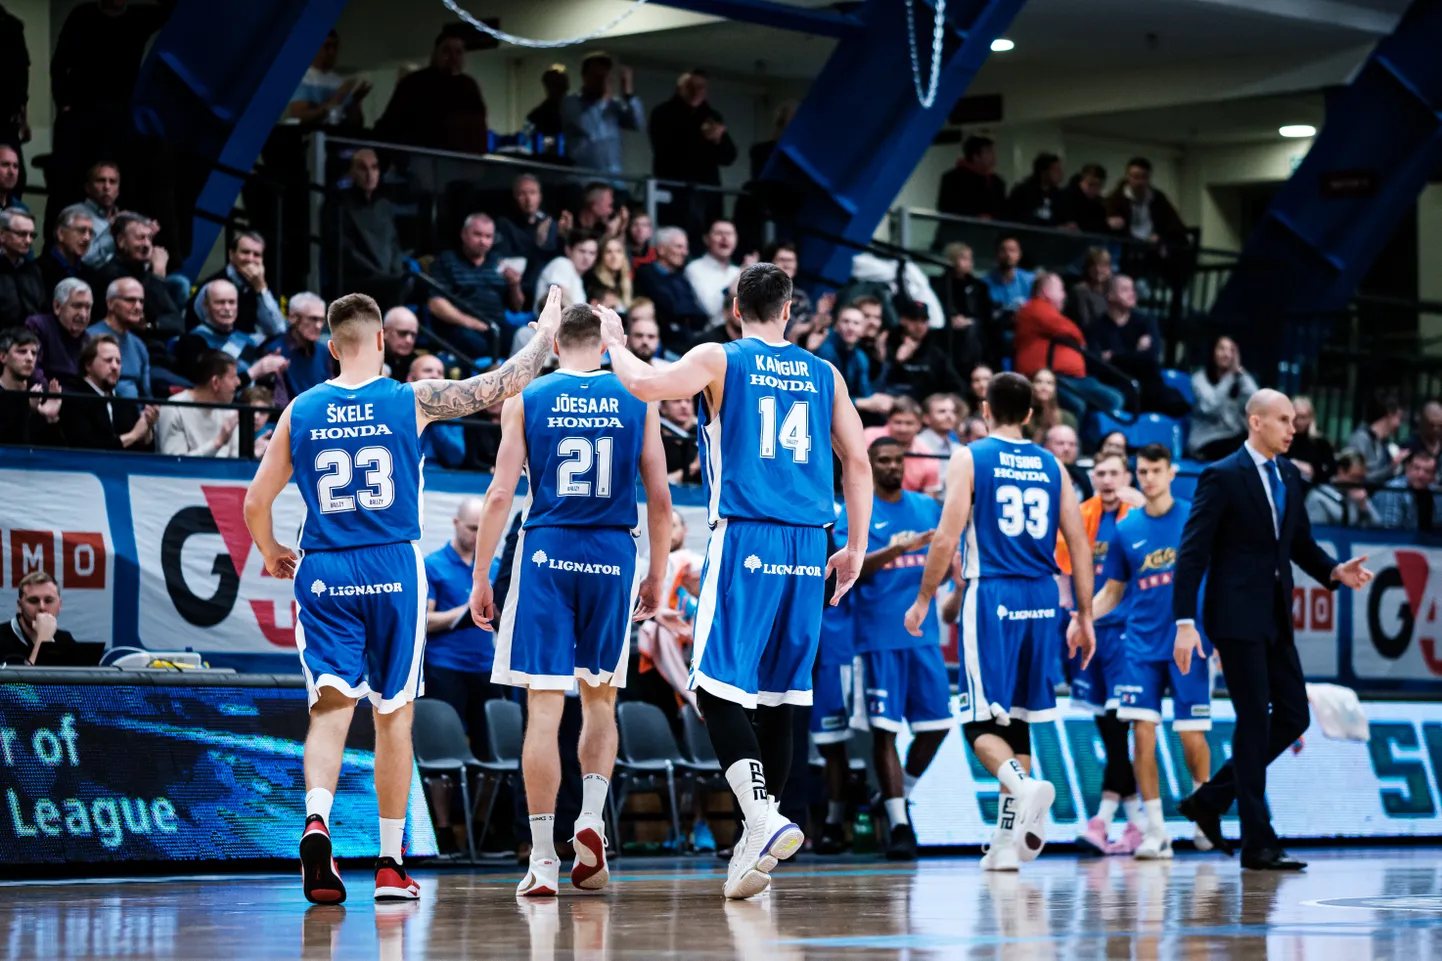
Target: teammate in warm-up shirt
772,411
583,441
1009,615
1091,687
836,705
1138,570
353,444
904,676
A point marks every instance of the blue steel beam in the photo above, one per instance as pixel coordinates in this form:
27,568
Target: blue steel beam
825,23
860,132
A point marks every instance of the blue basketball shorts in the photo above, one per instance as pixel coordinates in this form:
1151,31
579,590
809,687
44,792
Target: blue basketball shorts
1008,649
758,620
361,627
908,685
1092,687
1141,686
569,614
837,703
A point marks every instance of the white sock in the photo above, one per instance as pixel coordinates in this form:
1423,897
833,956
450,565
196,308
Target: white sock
393,832
908,783
593,795
748,783
543,839
1135,817
318,801
1156,822
1005,820
1107,810
1011,775
896,810
835,812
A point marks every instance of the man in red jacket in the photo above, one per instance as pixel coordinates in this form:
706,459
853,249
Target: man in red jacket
1045,337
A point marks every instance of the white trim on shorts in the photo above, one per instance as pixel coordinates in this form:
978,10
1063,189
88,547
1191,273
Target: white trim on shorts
857,719
887,724
313,684
1030,717
706,616
415,685
978,705
940,724
831,737
1139,714
1192,724
501,672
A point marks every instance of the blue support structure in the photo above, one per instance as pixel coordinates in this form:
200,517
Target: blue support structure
860,132
215,82
1382,141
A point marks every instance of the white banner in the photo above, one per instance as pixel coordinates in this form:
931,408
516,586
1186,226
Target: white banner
1314,621
1395,625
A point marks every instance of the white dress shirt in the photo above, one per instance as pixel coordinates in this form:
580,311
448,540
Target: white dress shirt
711,278
1266,474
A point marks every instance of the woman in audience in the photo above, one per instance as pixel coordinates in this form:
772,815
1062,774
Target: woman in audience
566,272
638,239
1046,412
1310,451
613,272
1087,299
1222,389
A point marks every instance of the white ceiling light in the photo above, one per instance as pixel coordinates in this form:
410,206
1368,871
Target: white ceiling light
1001,45
1297,130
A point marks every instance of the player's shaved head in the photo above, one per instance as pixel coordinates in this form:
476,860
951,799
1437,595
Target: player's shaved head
352,318
580,327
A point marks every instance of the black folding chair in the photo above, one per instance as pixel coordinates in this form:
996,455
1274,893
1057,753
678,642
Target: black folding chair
504,736
647,759
439,740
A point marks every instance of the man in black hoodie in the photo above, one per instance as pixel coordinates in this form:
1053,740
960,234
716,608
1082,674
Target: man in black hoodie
1080,205
1034,200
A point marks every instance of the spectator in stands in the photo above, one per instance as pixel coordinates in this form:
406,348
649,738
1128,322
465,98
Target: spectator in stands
713,275
566,272
202,431
102,199
482,291
974,428
33,635
10,178
138,259
1080,206
1009,284
439,106
843,349
613,272
1310,450
65,258
966,303
643,336
1429,430
978,379
25,419
664,282
545,117
639,249
261,399
1139,210
1373,438
1343,501
784,255
593,119
599,216
1036,199
678,435
874,335
324,97
1222,389
725,332
1113,443
529,231
401,328
258,313
22,288
446,446
939,419
1045,337
1087,301
125,322
1061,440
916,366
689,143
369,248
972,188
1046,411
309,359
922,471
61,335
1412,502
1130,341
107,422
219,306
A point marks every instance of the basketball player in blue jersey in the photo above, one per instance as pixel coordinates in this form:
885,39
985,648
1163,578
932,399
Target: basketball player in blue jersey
771,413
353,444
1009,627
583,442
1138,572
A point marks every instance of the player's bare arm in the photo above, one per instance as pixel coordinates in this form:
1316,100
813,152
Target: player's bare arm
903,543
270,479
848,440
658,515
497,510
955,513
1078,544
1103,604
701,369
447,399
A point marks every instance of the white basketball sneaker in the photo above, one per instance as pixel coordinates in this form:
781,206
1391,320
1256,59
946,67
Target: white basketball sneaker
1001,856
590,872
1154,847
762,845
1032,805
542,880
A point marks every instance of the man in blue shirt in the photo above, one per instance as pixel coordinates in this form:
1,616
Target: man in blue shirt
125,320
309,357
904,676
1008,284
834,705
1139,566
592,120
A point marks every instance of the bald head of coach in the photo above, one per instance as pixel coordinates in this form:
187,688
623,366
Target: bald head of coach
1247,526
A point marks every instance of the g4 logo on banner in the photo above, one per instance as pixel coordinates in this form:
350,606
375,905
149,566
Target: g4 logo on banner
1399,605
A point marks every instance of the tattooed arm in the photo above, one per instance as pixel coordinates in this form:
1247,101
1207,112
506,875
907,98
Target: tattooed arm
446,399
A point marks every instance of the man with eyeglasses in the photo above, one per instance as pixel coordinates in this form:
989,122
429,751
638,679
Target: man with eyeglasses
125,321
22,289
310,360
65,257
218,305
401,329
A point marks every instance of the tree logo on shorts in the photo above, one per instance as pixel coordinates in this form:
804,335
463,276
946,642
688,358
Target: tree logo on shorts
539,557
317,587
1001,612
752,563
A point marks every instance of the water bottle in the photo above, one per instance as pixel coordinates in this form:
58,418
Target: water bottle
863,833
527,140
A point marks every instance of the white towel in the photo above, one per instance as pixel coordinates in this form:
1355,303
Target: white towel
1339,711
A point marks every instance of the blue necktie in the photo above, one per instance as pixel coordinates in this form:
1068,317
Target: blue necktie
1279,491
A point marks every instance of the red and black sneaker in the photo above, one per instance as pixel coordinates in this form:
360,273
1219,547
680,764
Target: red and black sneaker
393,883
318,870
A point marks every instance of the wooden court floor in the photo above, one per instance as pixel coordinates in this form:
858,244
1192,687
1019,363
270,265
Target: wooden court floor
1360,904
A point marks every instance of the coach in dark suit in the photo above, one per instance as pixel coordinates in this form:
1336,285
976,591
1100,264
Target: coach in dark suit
1247,525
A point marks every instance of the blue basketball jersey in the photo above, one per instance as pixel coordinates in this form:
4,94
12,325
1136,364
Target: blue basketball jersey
584,434
356,457
883,598
767,452
1014,516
